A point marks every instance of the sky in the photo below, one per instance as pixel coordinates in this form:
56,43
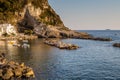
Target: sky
88,14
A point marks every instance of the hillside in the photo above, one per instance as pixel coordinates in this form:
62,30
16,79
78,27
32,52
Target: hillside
36,15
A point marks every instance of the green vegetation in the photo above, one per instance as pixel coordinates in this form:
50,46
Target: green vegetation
8,8
38,3
13,34
49,17
28,32
11,5
5,34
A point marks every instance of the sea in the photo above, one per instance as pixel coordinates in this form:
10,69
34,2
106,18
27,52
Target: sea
94,60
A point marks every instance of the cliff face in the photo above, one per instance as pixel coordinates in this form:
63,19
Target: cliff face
36,15
13,11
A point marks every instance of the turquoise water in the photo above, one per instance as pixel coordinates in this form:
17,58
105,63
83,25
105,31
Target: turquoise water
95,60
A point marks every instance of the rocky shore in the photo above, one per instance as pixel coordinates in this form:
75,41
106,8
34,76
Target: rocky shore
42,20
116,45
61,45
94,38
10,70
101,39
19,37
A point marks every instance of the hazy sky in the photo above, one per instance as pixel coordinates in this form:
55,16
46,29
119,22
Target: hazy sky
88,14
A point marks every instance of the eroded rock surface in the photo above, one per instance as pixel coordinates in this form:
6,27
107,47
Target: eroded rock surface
61,45
10,70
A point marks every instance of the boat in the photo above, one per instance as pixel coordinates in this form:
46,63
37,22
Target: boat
25,45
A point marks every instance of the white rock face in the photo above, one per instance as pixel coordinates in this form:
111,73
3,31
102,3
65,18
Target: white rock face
32,10
7,28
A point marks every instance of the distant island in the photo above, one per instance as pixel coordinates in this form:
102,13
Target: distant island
108,29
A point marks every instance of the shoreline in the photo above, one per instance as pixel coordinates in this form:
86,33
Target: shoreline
20,37
11,70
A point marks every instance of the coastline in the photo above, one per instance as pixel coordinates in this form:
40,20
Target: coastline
94,51
19,37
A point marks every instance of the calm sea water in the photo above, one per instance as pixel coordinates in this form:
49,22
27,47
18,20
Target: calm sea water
95,60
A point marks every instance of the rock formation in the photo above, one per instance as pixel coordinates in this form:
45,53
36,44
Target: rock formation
10,70
116,45
39,17
36,15
61,45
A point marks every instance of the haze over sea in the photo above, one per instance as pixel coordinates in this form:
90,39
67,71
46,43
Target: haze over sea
95,60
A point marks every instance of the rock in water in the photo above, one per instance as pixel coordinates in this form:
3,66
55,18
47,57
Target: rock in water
116,45
29,73
102,39
11,69
61,45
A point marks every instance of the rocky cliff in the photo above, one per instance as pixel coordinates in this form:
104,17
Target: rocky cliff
36,15
39,9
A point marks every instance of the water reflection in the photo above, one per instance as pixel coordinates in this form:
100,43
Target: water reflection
35,56
4,46
94,61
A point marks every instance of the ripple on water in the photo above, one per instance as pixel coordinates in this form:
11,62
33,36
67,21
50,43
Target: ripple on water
95,60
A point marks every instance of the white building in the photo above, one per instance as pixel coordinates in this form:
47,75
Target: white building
7,28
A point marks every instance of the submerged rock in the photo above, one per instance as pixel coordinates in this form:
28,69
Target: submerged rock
116,45
61,45
10,70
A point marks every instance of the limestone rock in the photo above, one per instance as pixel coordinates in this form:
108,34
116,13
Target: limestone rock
36,15
61,45
13,70
18,72
8,74
29,73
